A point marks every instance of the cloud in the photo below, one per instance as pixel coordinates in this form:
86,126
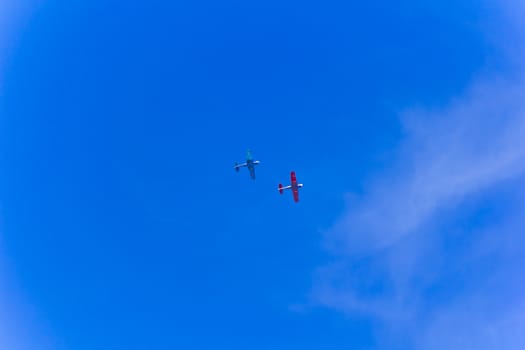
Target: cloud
459,329
490,312
433,247
20,328
447,155
8,13
13,15
12,316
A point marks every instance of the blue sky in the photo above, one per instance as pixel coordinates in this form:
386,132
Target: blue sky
123,224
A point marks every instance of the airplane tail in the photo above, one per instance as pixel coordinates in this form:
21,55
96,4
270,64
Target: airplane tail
281,189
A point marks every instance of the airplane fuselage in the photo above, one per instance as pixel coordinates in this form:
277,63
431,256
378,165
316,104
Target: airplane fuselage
250,164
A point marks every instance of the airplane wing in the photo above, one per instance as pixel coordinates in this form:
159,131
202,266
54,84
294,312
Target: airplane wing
282,188
237,166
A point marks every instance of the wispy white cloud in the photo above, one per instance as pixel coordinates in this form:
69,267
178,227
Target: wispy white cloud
411,252
13,15
467,326
489,313
447,155
8,14
19,328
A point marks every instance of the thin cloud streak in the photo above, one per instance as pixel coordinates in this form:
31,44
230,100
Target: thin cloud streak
447,155
13,15
403,254
20,328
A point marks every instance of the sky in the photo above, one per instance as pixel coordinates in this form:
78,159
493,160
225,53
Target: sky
124,225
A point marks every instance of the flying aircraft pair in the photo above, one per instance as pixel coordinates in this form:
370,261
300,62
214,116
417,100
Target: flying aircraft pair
251,163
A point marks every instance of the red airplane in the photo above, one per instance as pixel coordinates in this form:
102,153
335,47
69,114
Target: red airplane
294,186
